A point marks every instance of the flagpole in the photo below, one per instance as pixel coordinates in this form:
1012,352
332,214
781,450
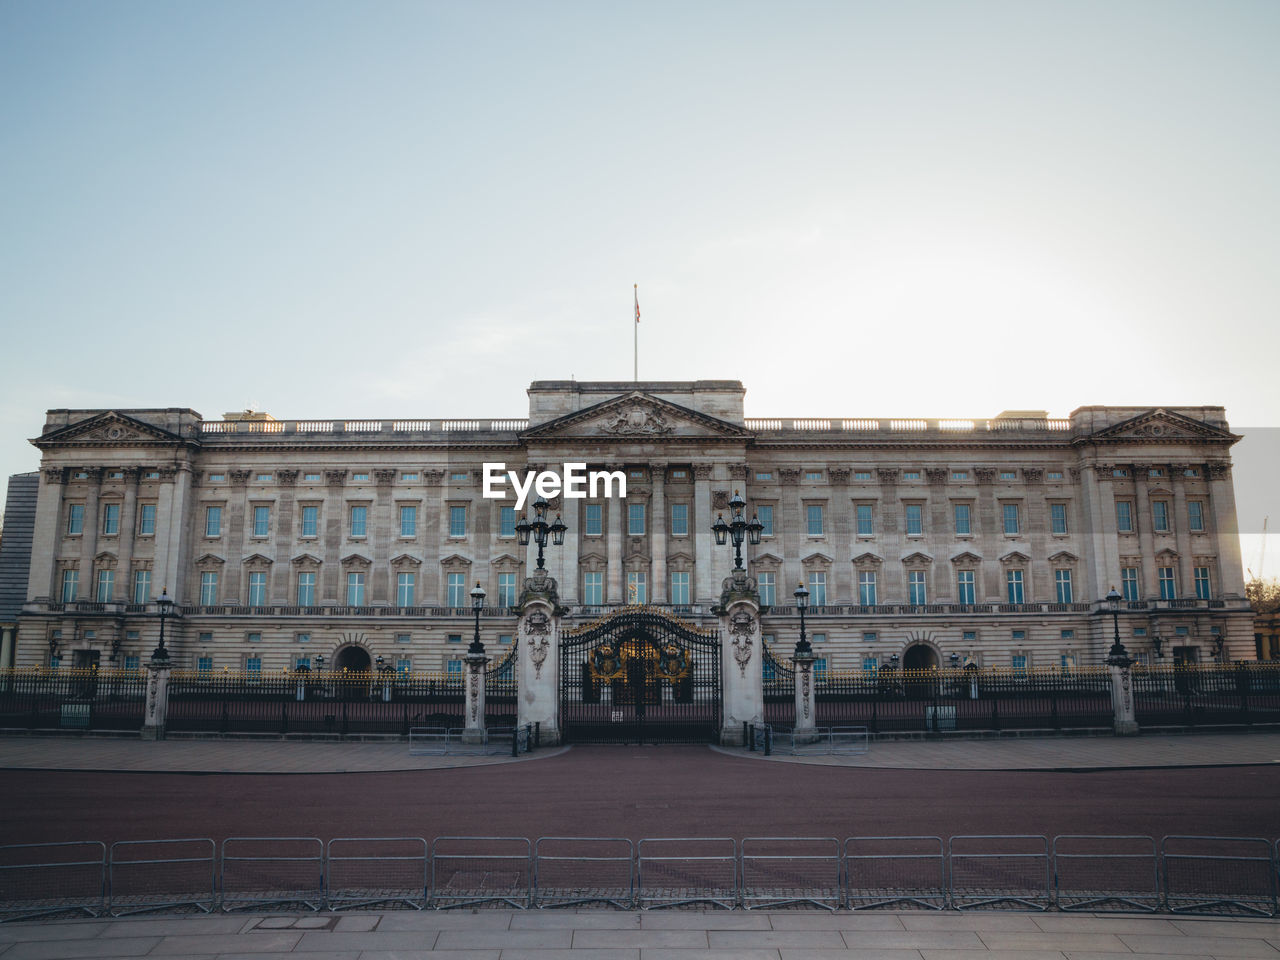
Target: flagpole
635,329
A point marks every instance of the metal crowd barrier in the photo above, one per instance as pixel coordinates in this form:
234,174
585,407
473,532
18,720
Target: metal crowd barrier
843,741
1215,876
442,742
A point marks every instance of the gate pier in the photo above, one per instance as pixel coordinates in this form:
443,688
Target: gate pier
741,656
538,670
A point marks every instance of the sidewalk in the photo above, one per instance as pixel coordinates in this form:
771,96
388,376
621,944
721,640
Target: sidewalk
306,756
633,935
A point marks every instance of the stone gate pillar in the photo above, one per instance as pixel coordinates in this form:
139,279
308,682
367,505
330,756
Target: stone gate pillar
473,723
1122,705
157,698
538,658
741,644
806,700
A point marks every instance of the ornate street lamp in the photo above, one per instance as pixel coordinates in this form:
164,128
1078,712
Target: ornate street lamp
803,647
1117,656
477,604
164,604
737,527
539,528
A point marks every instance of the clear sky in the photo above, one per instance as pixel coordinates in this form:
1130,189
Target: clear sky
412,209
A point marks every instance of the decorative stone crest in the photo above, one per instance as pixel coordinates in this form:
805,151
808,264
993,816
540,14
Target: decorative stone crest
702,471
738,471
538,654
984,474
384,477
335,478
1219,469
839,474
1074,474
286,478
936,474
805,675
887,474
537,624
1032,474
720,499
742,628
432,477
637,420
789,476
54,475
240,477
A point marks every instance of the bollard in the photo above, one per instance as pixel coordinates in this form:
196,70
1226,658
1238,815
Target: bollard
515,741
537,733
768,741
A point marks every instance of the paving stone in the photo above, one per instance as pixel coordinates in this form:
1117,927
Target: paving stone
836,921
444,920
53,949
369,940
775,938
1005,940
1018,922
557,920
1242,927
914,939
502,939
1214,946
992,954
265,941
879,953
1084,923
590,953
1086,955
354,923
639,938
705,920
676,953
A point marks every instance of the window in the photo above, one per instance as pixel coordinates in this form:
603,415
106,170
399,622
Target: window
253,637
454,638
253,667
862,474
1054,475
870,664
302,637
915,521
1020,663
403,638
767,670
813,516
636,474
813,474
1058,518
867,587
306,589
106,585
1124,516
1019,634
204,665
765,516
213,521
132,663
311,478
458,476
151,475
110,519
959,475
965,591
819,667
1129,582
217,477
1160,516
635,519
864,517
680,587
1010,513
302,664
359,476
1155,472
506,589
637,587
679,474
1013,583
768,588
257,589
1202,583
359,521
915,588
405,585
409,477
355,589
310,518
1062,583
869,636
1139,631
818,588
960,512
593,588
208,588
1168,589
970,636
1067,634
408,520
404,666
457,521
142,586
147,520
679,519
261,521
1195,516
70,585
453,668
910,474
593,521
206,637
506,521
456,590
1008,474
264,478
1191,472
764,475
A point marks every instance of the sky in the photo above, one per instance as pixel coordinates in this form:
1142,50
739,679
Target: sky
412,209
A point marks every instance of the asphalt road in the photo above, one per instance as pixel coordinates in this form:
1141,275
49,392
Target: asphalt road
639,792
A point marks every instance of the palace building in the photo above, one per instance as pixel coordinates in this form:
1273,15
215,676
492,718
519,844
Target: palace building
936,542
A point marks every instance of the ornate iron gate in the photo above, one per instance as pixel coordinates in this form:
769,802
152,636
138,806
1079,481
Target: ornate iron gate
640,675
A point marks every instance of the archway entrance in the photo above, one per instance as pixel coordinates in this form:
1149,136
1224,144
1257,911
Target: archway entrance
640,676
920,656
353,660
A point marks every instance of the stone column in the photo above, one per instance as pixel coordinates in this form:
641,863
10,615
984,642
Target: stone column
741,656
703,540
89,535
806,699
473,727
6,647
1181,532
658,534
1103,559
173,545
568,554
157,698
128,527
1226,532
613,591
47,537
1126,723
538,658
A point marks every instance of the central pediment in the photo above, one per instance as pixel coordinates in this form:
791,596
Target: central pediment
636,416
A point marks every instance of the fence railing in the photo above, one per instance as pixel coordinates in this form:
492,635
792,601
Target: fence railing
1213,876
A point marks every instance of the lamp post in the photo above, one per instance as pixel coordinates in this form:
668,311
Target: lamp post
738,527
164,604
477,604
539,528
803,647
1117,656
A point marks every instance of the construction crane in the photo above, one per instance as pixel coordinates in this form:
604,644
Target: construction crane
1262,551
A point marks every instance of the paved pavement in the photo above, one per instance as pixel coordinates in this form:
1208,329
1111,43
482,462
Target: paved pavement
303,756
657,935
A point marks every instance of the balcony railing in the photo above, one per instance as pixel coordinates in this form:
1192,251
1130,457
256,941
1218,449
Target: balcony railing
364,427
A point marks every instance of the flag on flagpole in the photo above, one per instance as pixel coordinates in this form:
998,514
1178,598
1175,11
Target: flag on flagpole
637,286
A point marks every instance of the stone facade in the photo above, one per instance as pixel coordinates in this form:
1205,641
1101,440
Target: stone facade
282,541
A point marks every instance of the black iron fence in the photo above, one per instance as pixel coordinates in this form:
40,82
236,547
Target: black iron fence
1214,876
1198,694
348,702
72,699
